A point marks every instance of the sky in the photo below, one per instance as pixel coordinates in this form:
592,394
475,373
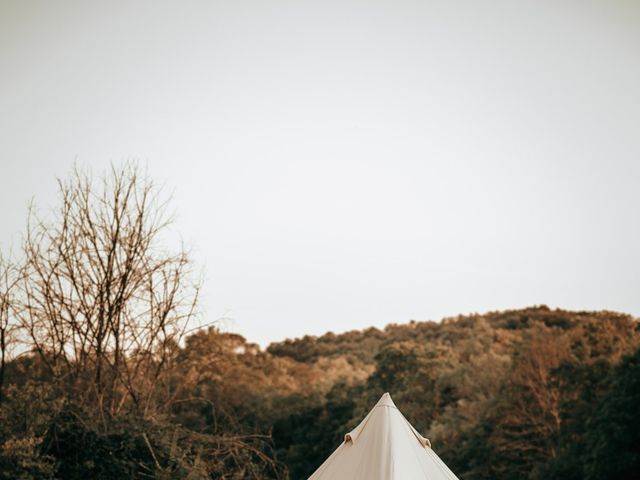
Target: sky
341,164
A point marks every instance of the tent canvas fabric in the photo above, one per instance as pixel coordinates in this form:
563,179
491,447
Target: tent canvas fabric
384,446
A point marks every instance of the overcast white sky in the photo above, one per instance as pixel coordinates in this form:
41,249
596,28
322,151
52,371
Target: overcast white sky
340,164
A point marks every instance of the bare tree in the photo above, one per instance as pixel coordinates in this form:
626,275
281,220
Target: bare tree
102,305
9,276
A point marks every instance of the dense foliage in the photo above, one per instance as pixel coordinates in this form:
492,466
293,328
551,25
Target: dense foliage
534,393
524,394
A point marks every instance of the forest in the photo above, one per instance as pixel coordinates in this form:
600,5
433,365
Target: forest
103,375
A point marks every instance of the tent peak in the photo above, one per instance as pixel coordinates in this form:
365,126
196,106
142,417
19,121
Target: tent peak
386,401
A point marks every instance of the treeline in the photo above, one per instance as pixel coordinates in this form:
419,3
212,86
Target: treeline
100,376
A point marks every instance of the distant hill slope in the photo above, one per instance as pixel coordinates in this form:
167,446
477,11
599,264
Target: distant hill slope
365,344
517,394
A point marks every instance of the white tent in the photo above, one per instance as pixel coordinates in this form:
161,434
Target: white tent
384,447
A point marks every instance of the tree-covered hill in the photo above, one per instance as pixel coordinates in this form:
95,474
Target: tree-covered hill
364,344
508,394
